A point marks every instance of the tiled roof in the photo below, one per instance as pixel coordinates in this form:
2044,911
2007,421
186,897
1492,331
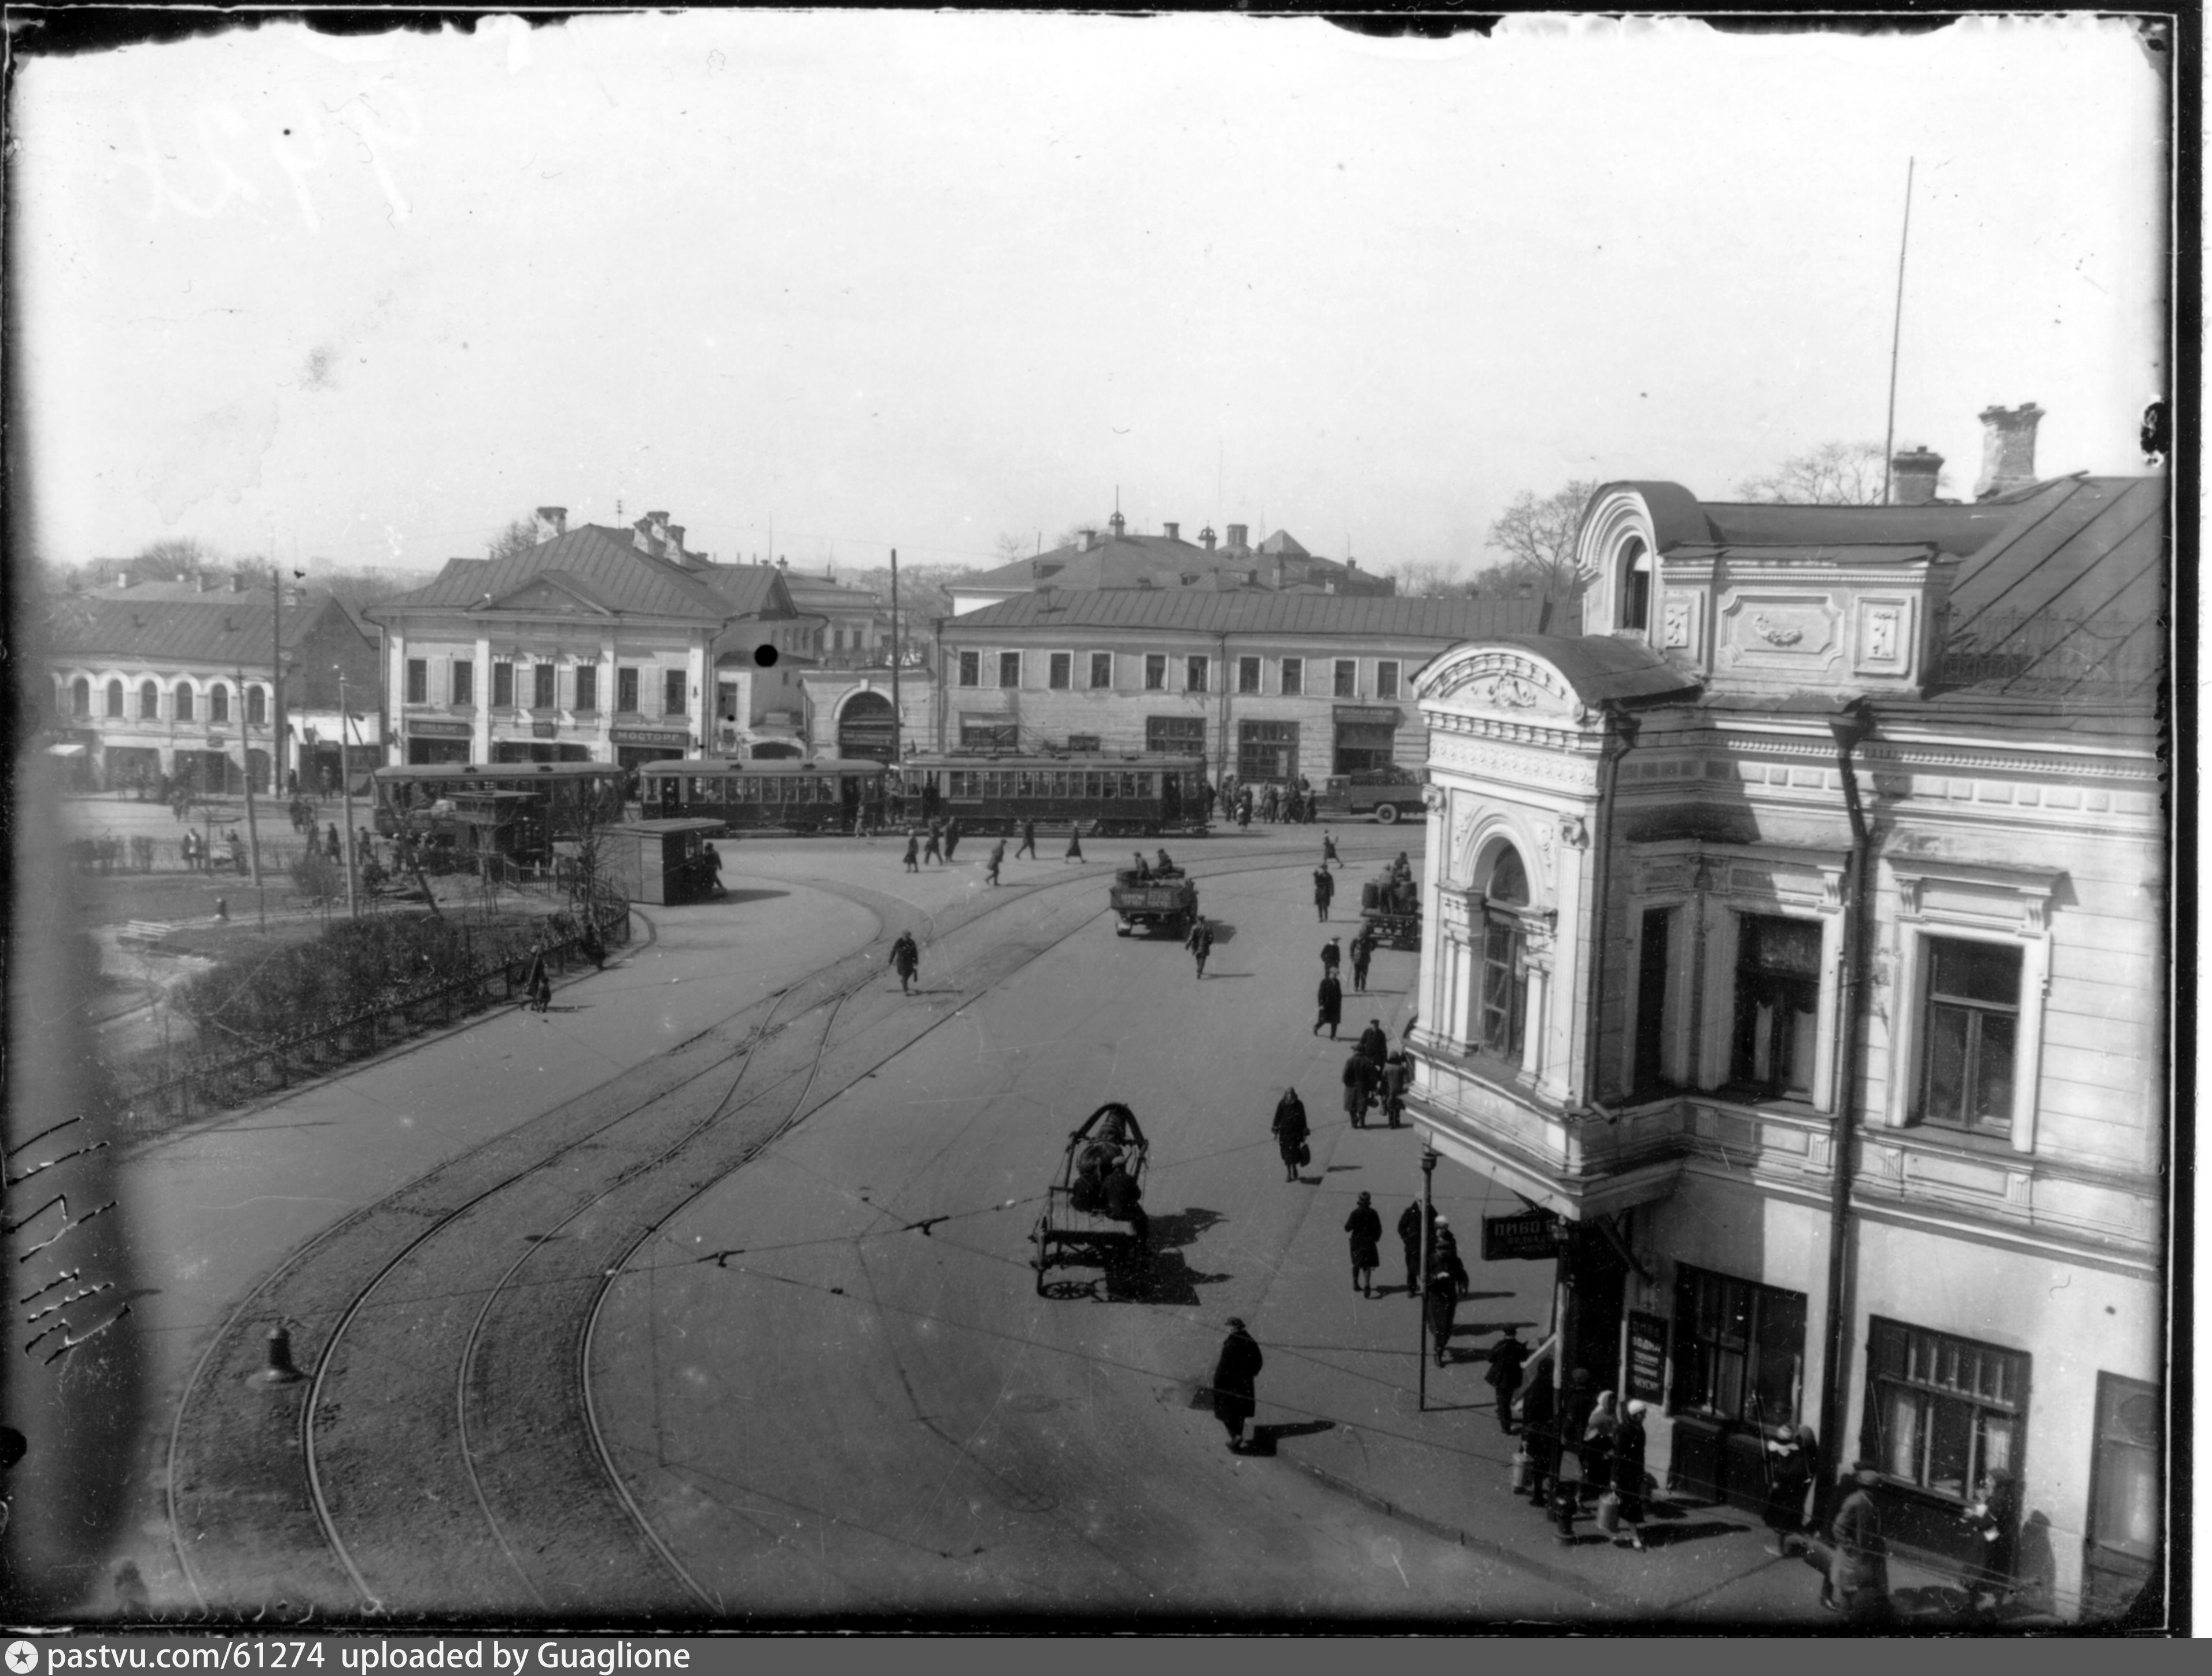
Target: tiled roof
605,568
172,622
1199,612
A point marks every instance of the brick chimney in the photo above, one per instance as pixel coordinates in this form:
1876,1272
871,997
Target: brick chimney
1914,472
1086,540
2008,449
552,522
676,541
1205,537
1172,531
1237,534
656,526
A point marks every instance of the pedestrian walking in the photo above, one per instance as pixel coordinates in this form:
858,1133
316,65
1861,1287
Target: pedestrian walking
589,940
537,985
1578,1403
934,850
913,851
1397,1077
1506,1357
1331,957
1236,1382
951,838
333,846
1328,856
1859,1565
1363,952
1332,1005
1029,842
1364,1227
1794,1463
1409,1237
1539,1434
1374,1044
1324,889
1628,1474
1358,1089
1448,1261
237,854
1441,1302
905,956
1200,943
998,860
1074,843
1244,812
714,860
1291,1133
1274,809
1596,1449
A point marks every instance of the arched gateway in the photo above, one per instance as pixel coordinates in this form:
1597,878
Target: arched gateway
864,726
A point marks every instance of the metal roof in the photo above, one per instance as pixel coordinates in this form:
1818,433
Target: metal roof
1198,611
172,622
605,571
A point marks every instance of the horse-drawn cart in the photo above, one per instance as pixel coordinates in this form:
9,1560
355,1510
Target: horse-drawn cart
1094,1214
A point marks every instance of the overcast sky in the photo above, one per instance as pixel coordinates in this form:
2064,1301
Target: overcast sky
918,281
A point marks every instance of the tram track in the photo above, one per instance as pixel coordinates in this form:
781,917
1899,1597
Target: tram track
433,1410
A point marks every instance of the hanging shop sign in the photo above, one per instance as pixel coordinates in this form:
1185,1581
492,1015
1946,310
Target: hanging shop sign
545,730
439,730
1526,1236
1647,1357
650,736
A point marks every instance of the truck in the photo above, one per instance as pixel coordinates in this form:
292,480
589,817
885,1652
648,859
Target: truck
1386,793
1392,910
1156,901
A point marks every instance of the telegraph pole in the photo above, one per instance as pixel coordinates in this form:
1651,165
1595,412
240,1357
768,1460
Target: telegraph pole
253,830
345,786
1896,333
1428,1261
896,757
275,679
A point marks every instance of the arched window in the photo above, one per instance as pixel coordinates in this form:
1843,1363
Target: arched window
218,702
1636,585
183,700
149,701
115,699
81,697
1504,1000
257,705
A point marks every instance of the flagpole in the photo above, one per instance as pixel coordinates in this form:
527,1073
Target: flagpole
1896,330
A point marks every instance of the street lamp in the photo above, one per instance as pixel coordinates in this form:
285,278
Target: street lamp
1428,1261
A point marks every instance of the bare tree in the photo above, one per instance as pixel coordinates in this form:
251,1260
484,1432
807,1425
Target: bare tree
1427,579
1012,546
518,536
1537,535
1835,474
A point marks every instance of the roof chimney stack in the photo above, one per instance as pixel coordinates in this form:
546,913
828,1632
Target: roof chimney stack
676,541
1237,534
1914,473
552,522
1172,530
2008,449
1086,540
641,535
238,581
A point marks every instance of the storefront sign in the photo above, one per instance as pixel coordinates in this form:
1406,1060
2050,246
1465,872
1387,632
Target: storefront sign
439,730
544,730
650,736
1530,1236
1647,1357
1370,715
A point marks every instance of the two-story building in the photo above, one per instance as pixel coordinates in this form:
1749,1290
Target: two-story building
1796,935
596,646
174,678
1266,686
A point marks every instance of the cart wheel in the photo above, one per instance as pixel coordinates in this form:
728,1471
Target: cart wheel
1043,1258
1387,813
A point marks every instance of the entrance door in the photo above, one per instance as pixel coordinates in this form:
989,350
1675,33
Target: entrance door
864,726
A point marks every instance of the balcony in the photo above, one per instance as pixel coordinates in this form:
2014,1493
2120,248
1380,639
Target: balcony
917,661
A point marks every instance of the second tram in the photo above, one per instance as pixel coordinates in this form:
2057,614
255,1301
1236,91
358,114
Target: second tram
768,795
1137,795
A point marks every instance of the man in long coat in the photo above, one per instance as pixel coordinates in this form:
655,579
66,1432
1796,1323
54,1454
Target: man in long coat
1291,1130
1441,1300
1506,1357
1363,952
1358,1089
1029,842
1858,1568
1539,1434
912,853
905,956
1235,1376
1409,1237
1373,1044
1331,999
1364,1229
1324,890
934,849
1330,955
1200,942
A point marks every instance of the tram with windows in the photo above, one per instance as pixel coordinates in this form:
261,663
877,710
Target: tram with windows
542,801
1141,794
769,795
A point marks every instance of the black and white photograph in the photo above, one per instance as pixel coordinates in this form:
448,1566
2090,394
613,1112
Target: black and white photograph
1028,820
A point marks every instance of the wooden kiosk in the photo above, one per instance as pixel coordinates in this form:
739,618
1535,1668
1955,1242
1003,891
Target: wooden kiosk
659,861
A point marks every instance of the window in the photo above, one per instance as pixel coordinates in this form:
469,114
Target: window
2123,1493
256,704
1942,1413
625,688
543,686
115,700
418,680
1970,1027
1777,1001
1156,671
1248,675
1649,1070
218,702
503,685
1101,669
1636,586
1181,736
81,697
1347,678
971,669
1267,749
465,682
988,734
1386,678
149,701
1009,669
1294,676
673,682
1194,674
588,686
1077,742
1740,1349
183,700
1503,1007
1059,671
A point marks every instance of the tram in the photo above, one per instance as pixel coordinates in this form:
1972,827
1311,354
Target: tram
1141,794
768,795
550,800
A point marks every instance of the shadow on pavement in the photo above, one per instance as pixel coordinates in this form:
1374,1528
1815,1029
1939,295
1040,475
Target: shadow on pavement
750,896
1667,1534
1168,1277
1264,1438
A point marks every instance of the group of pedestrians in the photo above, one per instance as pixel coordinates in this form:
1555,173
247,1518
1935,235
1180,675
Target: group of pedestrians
939,841
1605,1437
1292,802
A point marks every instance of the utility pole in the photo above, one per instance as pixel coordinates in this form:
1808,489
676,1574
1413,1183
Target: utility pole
896,756
345,786
253,830
1896,333
277,731
1428,1260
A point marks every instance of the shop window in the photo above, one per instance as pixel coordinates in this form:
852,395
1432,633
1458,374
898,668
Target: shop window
149,701
1347,678
1385,679
1194,674
673,683
1156,671
1080,742
1294,677
1180,736
1059,671
587,685
1778,1001
971,669
1009,669
115,700
2124,1504
1503,1002
218,702
1101,669
1970,1034
256,706
1267,749
1739,1351
625,689
183,700
1248,675
1942,1413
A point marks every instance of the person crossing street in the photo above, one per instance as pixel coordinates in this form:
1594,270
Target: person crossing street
1328,856
934,849
1074,843
1235,1389
1363,952
1029,842
998,860
1324,889
906,956
1331,999
1200,943
913,852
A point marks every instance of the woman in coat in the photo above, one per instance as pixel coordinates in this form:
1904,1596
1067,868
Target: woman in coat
1236,1374
1331,999
1364,1227
1442,1302
1596,1451
1539,1433
1628,1474
1289,1131
1795,1464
